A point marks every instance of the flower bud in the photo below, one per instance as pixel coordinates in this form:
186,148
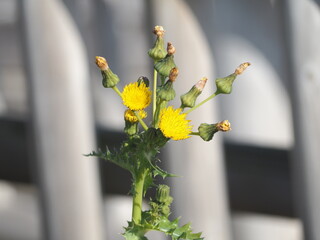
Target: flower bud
165,65
206,131
224,85
166,92
144,80
189,99
158,51
109,79
131,121
163,194
131,128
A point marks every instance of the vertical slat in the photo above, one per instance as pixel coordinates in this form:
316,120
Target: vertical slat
303,39
62,122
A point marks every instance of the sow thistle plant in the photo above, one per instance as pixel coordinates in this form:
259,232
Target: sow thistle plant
138,153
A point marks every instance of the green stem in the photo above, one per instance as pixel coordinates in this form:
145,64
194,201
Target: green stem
203,102
117,91
145,127
195,133
155,76
137,198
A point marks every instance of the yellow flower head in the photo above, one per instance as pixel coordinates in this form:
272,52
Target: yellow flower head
173,124
131,117
136,96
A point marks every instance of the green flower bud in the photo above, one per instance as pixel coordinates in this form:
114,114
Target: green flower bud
163,194
144,80
166,92
165,210
131,128
158,51
189,99
206,131
224,85
109,79
165,65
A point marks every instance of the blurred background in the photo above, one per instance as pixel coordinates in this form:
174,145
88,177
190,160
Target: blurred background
259,181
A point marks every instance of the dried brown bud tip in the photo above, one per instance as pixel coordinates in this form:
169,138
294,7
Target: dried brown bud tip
201,83
102,63
241,68
170,49
159,31
173,74
224,126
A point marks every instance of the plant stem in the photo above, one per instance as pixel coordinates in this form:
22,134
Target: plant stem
117,91
195,133
204,101
145,127
155,73
137,198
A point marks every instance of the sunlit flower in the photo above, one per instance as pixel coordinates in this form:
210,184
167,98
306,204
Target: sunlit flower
136,96
131,117
174,124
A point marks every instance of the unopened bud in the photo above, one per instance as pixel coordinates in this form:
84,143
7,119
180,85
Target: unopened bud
241,68
158,51
207,131
189,99
224,85
165,65
173,74
166,92
163,194
109,79
144,80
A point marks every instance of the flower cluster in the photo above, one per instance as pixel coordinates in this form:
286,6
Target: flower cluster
138,153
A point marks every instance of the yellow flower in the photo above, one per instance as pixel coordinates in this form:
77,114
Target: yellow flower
131,117
173,124
136,96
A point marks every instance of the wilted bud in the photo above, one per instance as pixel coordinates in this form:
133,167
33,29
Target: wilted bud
158,51
173,74
109,79
207,131
144,80
163,194
241,68
224,126
170,49
165,65
159,31
189,99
